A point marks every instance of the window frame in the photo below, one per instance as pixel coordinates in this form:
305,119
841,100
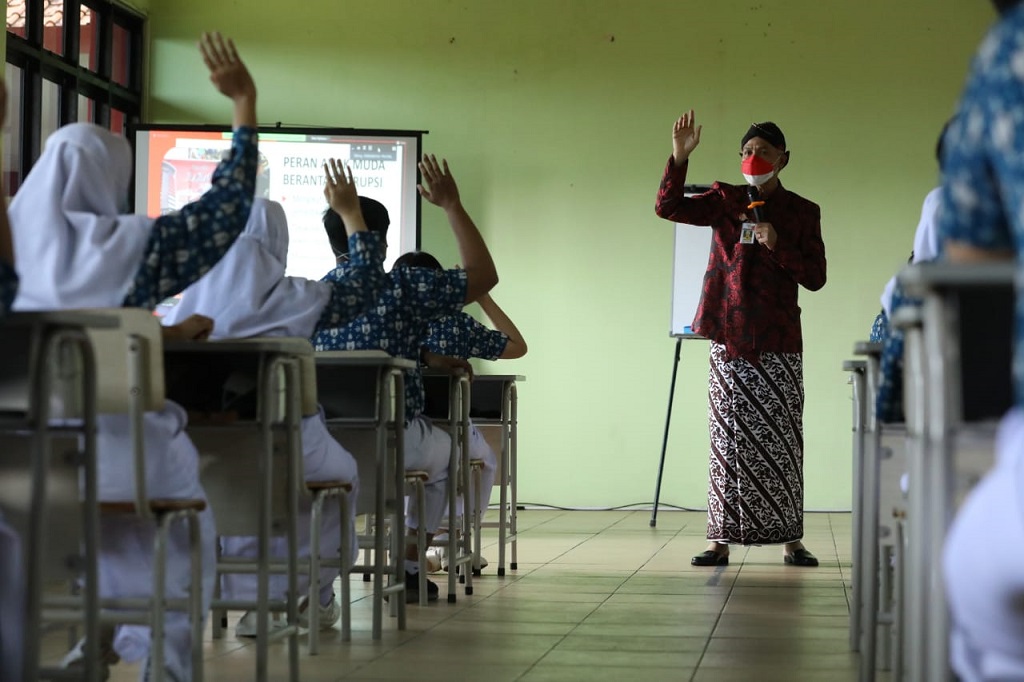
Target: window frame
72,78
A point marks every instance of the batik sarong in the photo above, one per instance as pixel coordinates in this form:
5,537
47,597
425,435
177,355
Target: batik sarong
755,412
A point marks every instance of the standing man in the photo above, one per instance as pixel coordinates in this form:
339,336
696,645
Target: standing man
766,243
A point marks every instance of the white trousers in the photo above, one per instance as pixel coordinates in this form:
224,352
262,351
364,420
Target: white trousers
480,449
985,588
428,448
324,459
126,543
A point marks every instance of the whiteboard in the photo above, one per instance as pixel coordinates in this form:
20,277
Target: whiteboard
689,263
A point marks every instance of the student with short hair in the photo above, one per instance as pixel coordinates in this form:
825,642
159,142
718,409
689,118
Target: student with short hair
461,336
397,325
79,250
247,294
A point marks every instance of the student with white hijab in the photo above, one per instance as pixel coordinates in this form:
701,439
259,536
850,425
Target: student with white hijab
78,250
248,294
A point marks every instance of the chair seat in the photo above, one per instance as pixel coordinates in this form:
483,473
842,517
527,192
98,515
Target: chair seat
415,474
155,506
317,486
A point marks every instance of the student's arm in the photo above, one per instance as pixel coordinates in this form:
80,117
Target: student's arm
441,190
192,328
516,346
355,289
230,77
185,244
444,363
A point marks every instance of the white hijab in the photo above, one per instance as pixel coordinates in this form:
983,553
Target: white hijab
247,293
926,242
75,248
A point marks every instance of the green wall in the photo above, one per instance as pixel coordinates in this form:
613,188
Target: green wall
556,117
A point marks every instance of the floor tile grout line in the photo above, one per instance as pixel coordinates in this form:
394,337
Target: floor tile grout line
607,597
721,612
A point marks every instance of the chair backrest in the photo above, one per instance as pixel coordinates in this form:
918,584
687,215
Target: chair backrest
129,361
42,379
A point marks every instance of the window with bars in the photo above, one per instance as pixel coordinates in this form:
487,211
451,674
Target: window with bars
67,61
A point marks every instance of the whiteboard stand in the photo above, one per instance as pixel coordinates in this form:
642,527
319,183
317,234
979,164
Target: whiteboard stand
668,419
689,263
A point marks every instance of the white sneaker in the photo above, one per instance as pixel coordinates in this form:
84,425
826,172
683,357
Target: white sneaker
434,559
444,563
329,614
248,623
108,657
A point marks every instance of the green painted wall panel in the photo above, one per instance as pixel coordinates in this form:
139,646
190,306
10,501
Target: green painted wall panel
556,117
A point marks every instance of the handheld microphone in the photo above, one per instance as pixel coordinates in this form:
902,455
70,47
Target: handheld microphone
756,203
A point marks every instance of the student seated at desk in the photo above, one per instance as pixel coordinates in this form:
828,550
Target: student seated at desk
397,325
248,294
927,248
461,336
79,251
981,220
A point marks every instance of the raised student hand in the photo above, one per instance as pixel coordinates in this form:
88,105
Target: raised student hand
440,188
685,137
227,70
340,189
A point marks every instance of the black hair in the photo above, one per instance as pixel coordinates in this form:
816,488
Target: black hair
418,259
375,215
940,145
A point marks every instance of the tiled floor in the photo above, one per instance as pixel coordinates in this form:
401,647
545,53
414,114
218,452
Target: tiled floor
602,596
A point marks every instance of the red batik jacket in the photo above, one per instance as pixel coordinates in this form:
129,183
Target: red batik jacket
749,301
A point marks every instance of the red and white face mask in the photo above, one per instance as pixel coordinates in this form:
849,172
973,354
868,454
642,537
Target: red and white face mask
757,170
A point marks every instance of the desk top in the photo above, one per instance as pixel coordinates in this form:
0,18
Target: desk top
867,348
361,358
263,344
925,277
61,318
498,377
854,365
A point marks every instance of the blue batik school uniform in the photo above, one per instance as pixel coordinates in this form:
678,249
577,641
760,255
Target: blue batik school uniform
983,192
397,325
463,337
